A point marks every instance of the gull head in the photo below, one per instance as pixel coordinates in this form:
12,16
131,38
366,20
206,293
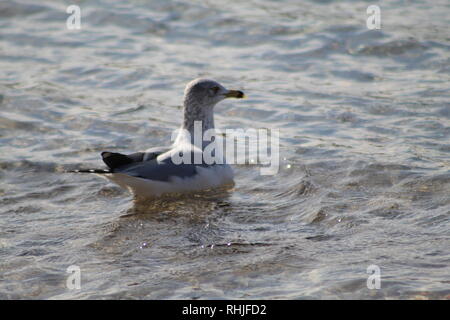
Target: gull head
200,97
207,93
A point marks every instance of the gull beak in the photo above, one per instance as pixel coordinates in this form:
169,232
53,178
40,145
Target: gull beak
235,94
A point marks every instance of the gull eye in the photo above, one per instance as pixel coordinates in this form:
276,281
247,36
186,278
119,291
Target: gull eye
215,89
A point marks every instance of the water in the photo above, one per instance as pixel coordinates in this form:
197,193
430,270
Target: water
364,120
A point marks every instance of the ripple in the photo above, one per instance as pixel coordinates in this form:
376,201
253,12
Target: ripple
363,177
392,48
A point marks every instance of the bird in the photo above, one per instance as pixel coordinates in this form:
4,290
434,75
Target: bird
181,167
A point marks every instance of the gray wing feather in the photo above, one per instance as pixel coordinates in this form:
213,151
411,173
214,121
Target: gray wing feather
152,153
116,160
159,170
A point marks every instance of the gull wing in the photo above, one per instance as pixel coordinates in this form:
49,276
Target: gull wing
161,168
115,160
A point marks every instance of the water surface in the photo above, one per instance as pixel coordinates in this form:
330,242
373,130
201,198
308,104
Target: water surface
364,120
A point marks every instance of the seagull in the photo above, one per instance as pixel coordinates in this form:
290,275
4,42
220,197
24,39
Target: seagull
158,171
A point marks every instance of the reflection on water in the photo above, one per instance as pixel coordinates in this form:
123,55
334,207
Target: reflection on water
364,120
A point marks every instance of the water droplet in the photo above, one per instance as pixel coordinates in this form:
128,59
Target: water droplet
143,245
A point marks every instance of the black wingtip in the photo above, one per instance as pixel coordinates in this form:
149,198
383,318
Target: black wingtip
114,160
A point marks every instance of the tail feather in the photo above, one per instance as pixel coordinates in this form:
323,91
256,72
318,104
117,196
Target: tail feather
98,171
